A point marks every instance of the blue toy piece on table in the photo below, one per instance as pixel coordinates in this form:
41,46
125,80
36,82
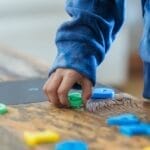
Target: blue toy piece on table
123,119
136,129
71,145
103,93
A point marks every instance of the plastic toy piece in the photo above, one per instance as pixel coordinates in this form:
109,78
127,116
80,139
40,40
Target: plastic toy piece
147,148
3,109
134,130
71,145
35,138
75,100
123,119
103,93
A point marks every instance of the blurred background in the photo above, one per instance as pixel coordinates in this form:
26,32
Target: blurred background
27,48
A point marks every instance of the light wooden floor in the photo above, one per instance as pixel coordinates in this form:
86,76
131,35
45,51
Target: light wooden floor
18,65
134,87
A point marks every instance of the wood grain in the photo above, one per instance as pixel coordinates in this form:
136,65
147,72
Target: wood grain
73,124
70,124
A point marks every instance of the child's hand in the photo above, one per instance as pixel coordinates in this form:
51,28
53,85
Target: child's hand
61,81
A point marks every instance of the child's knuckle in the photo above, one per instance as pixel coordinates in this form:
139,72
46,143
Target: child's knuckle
61,91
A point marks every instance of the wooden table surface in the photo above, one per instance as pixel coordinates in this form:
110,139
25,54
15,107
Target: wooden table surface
72,124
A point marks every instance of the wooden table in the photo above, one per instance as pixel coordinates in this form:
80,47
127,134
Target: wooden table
72,124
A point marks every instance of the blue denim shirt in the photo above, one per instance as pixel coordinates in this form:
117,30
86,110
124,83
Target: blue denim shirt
83,41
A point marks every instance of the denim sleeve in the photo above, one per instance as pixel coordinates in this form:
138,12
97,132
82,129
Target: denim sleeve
83,41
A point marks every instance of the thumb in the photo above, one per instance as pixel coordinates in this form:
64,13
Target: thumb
86,89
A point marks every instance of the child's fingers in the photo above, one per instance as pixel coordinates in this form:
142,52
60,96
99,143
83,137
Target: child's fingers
52,88
86,89
46,85
61,81
66,84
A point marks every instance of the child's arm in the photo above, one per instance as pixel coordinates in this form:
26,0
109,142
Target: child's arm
82,44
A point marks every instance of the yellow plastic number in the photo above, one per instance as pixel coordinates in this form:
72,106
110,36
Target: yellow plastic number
35,138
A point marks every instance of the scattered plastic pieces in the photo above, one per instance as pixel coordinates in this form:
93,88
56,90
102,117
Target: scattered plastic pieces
35,138
75,100
103,93
71,145
3,109
134,130
123,119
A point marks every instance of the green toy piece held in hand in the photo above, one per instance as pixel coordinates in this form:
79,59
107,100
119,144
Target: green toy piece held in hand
75,100
3,109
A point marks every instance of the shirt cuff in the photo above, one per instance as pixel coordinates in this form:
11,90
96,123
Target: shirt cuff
75,59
